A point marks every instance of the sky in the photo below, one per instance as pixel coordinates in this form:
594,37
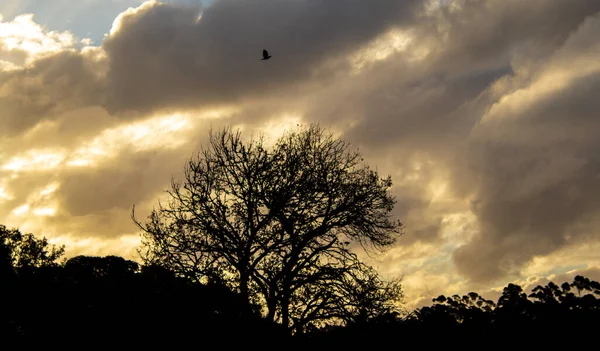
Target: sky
484,112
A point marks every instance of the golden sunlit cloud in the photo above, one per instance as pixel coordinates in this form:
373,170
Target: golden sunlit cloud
272,129
118,22
275,128
34,160
559,75
558,266
570,256
381,48
4,195
161,132
422,286
7,66
40,203
155,133
21,210
459,228
22,41
45,211
439,190
50,189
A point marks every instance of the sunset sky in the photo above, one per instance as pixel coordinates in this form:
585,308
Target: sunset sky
486,113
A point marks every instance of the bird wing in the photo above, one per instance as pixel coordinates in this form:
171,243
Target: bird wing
265,53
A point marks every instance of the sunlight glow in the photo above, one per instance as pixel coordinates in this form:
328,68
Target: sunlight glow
4,195
40,202
125,244
438,190
46,211
164,132
50,189
161,132
412,171
34,160
275,128
21,210
151,133
79,162
381,48
459,228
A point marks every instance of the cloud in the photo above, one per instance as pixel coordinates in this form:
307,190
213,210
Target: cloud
47,88
23,41
475,35
184,57
167,57
483,113
85,19
525,168
535,157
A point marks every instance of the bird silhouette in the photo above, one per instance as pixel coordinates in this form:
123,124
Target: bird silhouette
266,55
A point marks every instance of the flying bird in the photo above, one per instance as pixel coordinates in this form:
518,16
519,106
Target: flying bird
266,55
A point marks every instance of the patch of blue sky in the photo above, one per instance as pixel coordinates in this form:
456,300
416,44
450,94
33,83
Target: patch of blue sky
84,18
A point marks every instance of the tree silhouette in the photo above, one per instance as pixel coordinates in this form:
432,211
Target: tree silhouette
513,298
109,300
550,294
97,267
6,264
469,313
25,251
277,225
514,311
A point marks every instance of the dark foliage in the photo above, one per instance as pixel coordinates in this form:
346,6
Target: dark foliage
23,252
90,302
549,316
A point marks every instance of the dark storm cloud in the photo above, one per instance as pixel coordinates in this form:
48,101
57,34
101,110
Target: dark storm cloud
164,56
435,103
485,35
470,49
537,166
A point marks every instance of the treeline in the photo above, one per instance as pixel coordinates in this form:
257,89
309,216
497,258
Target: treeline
90,301
109,301
549,316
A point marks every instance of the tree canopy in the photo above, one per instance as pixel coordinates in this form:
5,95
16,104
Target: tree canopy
24,251
279,224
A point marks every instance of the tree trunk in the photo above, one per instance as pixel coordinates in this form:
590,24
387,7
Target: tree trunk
271,305
285,309
244,290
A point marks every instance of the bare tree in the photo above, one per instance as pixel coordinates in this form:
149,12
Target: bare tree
277,225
